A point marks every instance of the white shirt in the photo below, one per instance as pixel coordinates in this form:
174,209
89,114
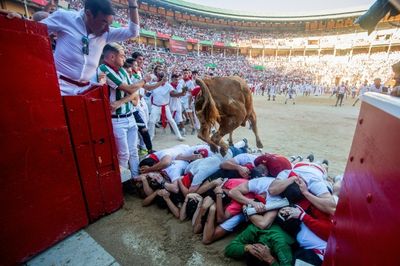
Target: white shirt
245,158
69,59
192,149
189,84
161,95
261,185
175,102
313,177
373,88
173,152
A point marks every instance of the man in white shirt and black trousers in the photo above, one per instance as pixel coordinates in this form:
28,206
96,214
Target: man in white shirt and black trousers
81,37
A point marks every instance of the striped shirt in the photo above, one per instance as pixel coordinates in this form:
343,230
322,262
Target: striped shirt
114,80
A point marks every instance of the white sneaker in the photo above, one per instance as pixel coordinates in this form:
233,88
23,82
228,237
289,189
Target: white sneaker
181,138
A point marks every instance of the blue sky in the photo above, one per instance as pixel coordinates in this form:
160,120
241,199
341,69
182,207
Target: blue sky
285,6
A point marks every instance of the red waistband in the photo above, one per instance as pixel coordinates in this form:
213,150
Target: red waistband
77,83
309,164
152,102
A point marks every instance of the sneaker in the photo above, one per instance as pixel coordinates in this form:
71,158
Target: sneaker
325,161
181,138
183,132
292,159
310,157
300,158
143,152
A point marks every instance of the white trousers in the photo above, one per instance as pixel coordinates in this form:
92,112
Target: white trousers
155,117
126,139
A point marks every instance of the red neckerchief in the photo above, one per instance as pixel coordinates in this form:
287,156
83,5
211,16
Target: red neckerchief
174,85
186,79
113,68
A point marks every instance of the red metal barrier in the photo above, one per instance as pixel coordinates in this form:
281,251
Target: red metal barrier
40,193
367,220
89,120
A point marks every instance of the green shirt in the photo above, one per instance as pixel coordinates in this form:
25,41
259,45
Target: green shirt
274,237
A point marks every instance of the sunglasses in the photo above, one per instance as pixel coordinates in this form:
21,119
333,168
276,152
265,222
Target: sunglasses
85,45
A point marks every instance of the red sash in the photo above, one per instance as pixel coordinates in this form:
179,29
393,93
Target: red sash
163,113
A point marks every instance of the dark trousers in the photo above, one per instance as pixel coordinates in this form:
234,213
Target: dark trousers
339,97
143,131
307,255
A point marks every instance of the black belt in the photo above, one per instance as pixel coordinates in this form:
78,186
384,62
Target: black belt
122,116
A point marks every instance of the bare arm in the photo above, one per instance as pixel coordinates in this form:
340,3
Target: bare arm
154,86
278,185
232,165
174,209
133,11
149,199
325,202
115,105
263,221
164,163
238,194
172,187
146,187
182,188
207,185
132,88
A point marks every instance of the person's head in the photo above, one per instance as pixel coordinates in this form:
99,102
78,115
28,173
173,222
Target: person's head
191,207
377,82
147,162
50,7
195,74
259,171
128,68
186,73
365,82
159,72
114,55
174,78
202,152
40,15
274,163
98,16
139,58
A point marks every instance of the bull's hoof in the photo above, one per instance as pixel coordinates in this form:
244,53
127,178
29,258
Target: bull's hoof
260,145
213,148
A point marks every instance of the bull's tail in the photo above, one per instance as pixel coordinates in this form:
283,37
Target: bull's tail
208,109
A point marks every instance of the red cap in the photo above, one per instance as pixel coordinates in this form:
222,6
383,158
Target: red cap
274,163
203,152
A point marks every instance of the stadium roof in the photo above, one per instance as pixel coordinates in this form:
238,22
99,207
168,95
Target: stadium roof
346,9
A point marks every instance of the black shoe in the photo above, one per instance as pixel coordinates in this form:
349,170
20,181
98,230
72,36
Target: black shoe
310,157
325,161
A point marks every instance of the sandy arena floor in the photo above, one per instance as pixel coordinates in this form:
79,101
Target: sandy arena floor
149,236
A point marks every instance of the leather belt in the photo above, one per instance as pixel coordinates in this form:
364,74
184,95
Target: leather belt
122,116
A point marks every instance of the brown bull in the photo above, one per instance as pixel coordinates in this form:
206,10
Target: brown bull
228,102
